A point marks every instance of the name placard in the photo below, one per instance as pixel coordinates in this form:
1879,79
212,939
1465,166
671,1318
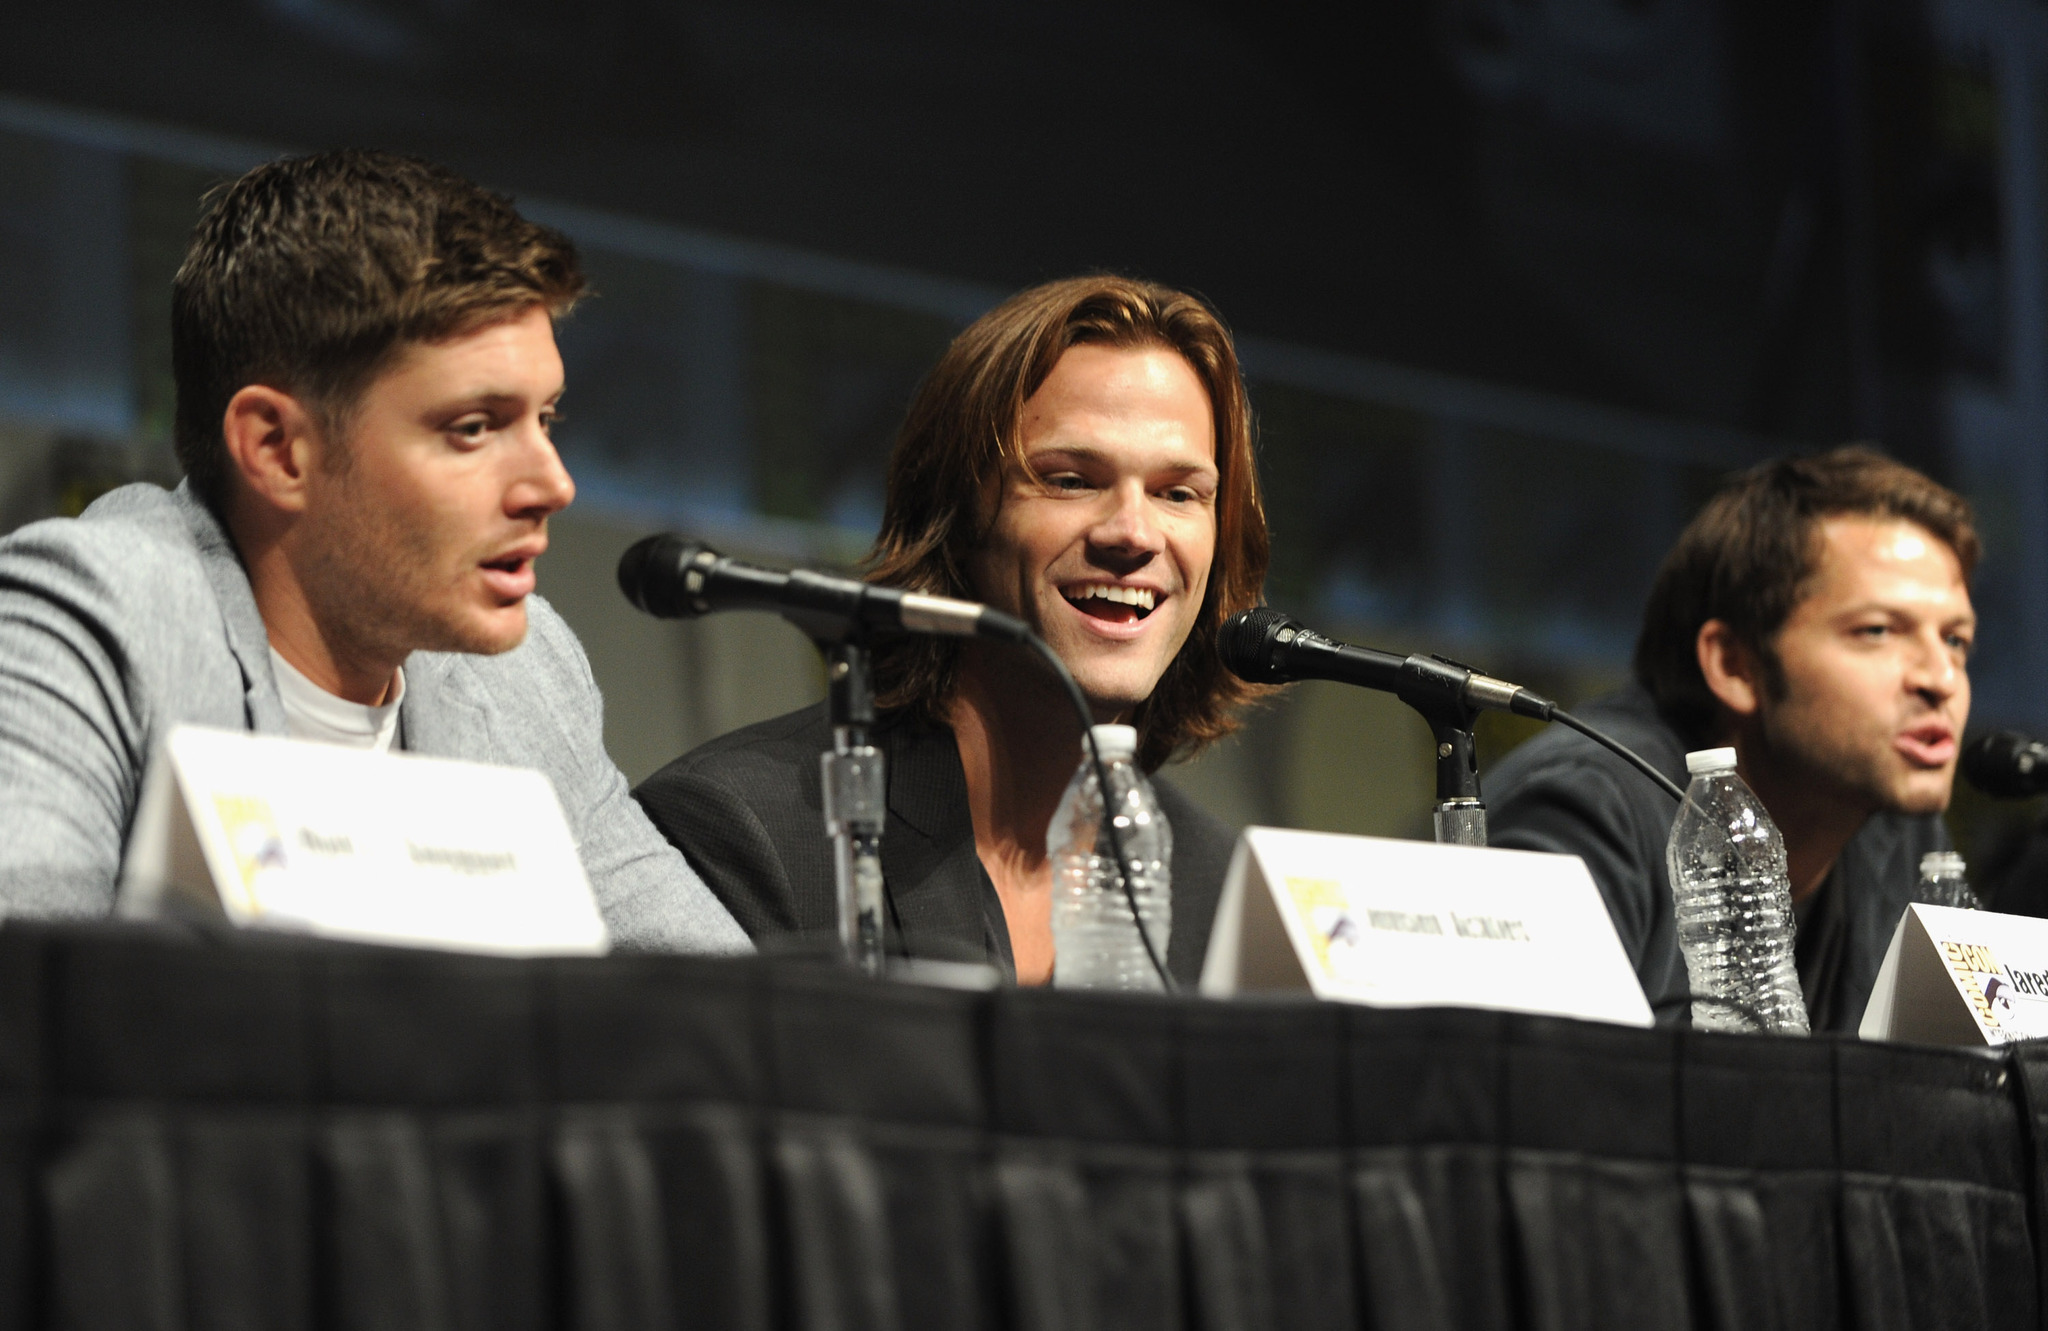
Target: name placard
386,848
1965,977
1413,923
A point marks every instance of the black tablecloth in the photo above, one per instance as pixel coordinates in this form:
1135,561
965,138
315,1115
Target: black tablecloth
264,1133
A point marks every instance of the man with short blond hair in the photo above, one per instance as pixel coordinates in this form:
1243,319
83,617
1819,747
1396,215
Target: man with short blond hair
367,377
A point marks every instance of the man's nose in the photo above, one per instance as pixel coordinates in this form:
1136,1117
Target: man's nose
544,486
1129,526
1934,669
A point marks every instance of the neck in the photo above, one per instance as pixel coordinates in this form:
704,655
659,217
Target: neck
1018,749
293,626
1811,815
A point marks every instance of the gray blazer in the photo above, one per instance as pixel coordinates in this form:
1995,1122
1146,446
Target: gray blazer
138,616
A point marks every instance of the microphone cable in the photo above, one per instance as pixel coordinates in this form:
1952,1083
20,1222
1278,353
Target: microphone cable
1101,769
1642,764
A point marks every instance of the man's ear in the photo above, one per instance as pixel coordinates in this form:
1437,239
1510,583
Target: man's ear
1732,670
272,442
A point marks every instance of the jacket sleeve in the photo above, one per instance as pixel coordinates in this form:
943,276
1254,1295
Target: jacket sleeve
72,746
650,897
722,833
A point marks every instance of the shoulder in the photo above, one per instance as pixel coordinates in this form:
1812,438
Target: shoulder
132,568
758,759
135,535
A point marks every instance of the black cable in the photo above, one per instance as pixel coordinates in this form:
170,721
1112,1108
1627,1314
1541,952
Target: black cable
1116,841
1671,788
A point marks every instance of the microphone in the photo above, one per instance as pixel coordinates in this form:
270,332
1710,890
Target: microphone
672,577
1264,646
2006,764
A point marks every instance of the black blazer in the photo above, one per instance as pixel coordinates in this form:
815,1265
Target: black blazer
746,809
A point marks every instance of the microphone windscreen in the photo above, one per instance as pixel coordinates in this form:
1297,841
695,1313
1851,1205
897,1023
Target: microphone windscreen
1245,642
633,568
652,574
2004,764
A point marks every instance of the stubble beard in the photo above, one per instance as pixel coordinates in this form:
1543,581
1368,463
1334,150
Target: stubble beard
373,581
1806,753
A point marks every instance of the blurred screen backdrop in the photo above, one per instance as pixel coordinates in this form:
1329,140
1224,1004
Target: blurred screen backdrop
1516,282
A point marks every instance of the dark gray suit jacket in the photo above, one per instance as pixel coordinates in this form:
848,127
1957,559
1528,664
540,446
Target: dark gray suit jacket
1561,792
747,809
138,616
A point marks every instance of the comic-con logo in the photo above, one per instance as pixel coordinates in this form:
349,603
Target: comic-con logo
1981,979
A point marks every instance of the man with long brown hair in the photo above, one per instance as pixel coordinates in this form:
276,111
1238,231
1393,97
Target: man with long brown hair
1816,618
1080,457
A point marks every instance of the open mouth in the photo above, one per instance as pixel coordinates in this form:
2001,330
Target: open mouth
1928,746
510,576
1110,601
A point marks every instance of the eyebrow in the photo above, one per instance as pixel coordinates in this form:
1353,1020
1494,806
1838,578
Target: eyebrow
1893,611
501,400
1089,453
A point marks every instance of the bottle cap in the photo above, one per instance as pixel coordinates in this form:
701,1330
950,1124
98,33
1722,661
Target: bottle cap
1115,741
1710,760
1940,861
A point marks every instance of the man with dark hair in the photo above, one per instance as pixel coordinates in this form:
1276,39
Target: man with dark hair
1816,618
366,376
1080,457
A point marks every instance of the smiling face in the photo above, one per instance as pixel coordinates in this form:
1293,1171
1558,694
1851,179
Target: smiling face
1875,691
423,525
1105,550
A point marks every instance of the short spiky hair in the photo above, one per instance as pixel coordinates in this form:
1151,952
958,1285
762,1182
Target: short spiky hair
1747,558
309,274
962,432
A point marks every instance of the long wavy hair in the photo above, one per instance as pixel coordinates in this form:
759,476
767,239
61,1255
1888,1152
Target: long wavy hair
962,433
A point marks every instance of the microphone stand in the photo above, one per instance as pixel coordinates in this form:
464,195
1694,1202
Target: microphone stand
1460,813
856,802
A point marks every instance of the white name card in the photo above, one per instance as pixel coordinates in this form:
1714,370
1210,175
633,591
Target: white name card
378,847
1968,977
1413,923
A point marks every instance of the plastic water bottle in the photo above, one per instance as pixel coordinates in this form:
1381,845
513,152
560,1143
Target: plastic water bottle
1942,882
1095,941
1734,904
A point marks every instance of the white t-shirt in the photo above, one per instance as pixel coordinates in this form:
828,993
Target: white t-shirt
311,712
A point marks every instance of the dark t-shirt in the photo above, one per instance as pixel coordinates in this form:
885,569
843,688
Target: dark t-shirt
1561,792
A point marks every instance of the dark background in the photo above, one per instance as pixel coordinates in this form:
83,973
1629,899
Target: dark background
1726,212
1518,281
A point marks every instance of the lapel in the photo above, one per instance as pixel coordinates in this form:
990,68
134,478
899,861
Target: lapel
248,640
441,715
939,896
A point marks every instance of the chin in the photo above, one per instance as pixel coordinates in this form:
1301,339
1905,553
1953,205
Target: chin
1119,683
489,635
1924,797
1117,703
